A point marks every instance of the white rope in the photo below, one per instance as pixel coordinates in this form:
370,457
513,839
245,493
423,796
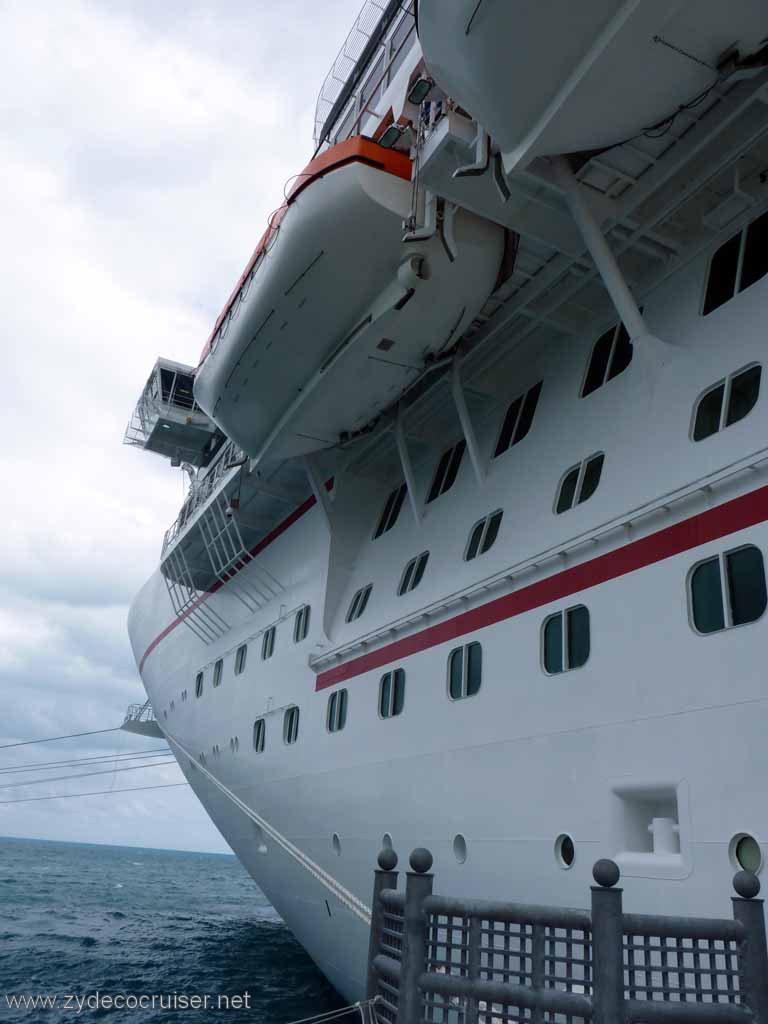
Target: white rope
332,884
322,1018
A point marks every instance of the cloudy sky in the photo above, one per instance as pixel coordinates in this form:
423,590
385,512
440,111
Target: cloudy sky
143,144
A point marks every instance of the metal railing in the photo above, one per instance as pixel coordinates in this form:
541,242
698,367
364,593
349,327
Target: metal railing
201,490
346,83
436,960
140,713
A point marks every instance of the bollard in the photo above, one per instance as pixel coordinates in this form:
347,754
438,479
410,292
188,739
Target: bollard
607,945
385,877
753,950
414,963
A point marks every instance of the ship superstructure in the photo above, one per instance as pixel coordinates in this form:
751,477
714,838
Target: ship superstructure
473,550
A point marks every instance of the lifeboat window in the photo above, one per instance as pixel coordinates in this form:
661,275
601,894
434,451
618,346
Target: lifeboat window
240,657
392,693
611,355
268,643
359,603
465,671
413,573
391,510
301,624
737,264
199,684
579,483
728,590
565,640
518,420
218,669
259,735
483,535
726,402
447,470
336,714
291,725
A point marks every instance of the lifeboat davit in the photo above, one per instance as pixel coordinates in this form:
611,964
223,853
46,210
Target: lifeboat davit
336,315
548,77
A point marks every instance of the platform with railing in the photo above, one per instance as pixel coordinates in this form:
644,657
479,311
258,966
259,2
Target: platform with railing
442,960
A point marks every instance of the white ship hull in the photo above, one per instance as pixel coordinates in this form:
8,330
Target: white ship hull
530,756
652,751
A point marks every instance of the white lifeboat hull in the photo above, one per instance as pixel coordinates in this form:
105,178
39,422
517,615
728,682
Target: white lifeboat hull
547,77
341,314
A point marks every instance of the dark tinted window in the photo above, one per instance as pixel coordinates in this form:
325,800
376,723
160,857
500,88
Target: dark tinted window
518,419
598,364
553,644
721,283
259,732
465,671
746,585
755,260
391,510
568,489
483,535
708,413
199,684
745,388
707,597
578,636
447,469
591,479
392,693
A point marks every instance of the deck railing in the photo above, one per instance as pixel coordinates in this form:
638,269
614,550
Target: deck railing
438,960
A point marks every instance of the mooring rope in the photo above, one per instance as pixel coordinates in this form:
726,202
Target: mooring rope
332,884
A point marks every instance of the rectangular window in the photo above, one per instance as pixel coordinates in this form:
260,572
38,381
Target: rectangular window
611,355
268,643
291,725
737,264
240,656
483,535
359,603
447,470
579,483
728,590
259,735
465,671
726,402
218,669
565,640
518,420
199,684
391,510
392,693
336,714
413,573
301,624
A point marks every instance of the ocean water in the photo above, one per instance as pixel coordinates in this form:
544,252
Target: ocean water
79,919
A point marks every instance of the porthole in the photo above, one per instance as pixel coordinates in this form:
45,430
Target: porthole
565,852
336,844
460,848
745,853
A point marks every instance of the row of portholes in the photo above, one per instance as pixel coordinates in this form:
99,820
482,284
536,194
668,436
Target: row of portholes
744,850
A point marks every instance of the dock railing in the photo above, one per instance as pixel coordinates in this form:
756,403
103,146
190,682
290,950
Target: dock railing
440,960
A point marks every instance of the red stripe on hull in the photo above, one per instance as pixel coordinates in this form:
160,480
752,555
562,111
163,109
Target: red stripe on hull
730,517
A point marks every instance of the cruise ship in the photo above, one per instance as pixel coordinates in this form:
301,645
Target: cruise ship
472,554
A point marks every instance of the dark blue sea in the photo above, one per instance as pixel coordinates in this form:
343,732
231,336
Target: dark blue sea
79,919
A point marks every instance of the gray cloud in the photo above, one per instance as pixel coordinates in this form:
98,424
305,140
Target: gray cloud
142,147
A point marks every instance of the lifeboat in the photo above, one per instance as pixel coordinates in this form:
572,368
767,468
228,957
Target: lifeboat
549,77
336,315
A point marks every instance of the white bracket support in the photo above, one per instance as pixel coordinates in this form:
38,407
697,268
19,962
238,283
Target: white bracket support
460,401
319,489
482,157
406,465
606,263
